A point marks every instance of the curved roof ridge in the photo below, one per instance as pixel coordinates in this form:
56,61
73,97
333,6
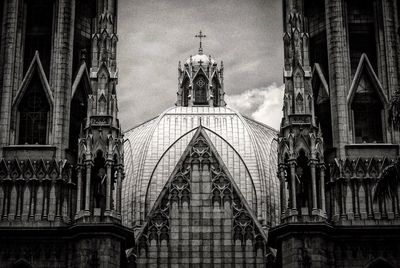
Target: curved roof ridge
260,123
258,156
148,139
141,124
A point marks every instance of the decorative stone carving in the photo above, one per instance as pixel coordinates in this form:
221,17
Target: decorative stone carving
179,190
221,186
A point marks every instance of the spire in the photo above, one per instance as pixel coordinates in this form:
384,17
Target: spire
101,139
300,151
200,36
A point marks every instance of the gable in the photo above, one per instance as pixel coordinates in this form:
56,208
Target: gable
365,79
320,85
200,215
35,68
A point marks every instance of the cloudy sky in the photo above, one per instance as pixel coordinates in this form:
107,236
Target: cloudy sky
154,35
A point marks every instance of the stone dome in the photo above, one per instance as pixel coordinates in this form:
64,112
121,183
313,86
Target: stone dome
204,59
247,148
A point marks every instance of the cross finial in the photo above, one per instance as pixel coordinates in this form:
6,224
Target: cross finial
200,36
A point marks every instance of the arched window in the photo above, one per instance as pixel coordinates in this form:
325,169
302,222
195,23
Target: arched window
38,33
367,112
33,114
200,91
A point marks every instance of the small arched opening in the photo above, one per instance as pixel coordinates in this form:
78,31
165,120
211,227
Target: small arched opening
200,91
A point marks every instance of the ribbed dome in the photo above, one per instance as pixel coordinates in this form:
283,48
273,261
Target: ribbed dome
247,148
204,59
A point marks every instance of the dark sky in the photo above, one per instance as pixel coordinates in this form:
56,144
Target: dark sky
155,35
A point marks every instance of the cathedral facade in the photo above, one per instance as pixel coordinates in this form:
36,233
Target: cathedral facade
337,138
61,144
199,185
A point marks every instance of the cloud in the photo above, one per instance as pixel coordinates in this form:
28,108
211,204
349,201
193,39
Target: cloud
263,104
155,35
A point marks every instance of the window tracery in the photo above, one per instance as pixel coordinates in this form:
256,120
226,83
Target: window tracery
33,115
200,91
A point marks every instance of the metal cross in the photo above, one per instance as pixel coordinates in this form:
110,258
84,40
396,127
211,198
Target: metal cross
200,36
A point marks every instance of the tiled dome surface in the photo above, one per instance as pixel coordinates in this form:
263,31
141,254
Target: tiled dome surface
152,150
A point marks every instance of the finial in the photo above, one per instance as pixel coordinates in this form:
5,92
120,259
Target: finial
200,36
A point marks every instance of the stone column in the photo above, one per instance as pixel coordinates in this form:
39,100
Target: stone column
118,189
313,185
79,189
108,193
293,184
283,188
322,185
87,192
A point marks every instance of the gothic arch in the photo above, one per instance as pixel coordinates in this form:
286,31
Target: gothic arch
379,263
34,68
32,115
22,263
82,78
367,105
102,106
319,84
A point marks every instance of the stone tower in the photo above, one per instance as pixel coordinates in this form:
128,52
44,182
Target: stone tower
343,54
58,119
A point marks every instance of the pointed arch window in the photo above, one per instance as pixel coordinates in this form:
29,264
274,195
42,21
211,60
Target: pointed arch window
367,110
38,33
200,91
33,114
362,33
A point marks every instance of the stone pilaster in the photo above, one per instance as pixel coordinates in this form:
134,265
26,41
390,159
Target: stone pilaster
8,69
61,74
339,68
